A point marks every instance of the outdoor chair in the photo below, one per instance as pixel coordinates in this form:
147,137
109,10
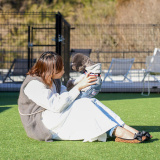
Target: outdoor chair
152,69
86,52
119,67
19,68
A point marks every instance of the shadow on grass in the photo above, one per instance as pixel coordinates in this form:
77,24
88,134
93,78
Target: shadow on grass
9,101
8,98
4,109
151,140
121,96
147,128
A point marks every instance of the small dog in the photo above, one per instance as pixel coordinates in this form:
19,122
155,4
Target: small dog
84,64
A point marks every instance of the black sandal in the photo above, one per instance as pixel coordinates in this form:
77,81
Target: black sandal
144,133
140,134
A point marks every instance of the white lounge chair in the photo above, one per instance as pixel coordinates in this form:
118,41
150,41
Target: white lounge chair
152,69
19,67
119,67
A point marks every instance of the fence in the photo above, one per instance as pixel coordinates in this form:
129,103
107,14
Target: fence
24,37
30,34
18,31
119,41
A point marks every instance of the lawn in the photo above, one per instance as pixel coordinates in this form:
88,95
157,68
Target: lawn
138,111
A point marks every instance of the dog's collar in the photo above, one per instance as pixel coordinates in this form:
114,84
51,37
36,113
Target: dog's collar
93,74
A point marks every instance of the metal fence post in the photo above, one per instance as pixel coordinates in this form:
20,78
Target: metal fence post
58,32
29,48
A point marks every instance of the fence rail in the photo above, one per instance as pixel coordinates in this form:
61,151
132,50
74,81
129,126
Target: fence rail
107,41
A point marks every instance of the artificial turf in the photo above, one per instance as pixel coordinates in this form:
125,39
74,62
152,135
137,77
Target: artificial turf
142,113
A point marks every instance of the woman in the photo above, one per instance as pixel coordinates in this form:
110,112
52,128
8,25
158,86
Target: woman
49,112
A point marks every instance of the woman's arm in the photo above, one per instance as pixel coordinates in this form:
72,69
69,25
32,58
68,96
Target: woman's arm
48,99
77,80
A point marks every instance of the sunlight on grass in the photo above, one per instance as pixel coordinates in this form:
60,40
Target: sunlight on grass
140,112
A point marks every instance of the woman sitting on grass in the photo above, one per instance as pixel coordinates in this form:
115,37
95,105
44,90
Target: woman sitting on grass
49,112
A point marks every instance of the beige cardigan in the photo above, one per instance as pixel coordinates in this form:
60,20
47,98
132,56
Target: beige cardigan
30,113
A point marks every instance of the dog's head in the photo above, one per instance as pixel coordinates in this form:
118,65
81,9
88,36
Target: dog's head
80,62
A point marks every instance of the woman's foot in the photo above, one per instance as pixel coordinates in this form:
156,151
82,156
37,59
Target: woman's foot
123,135
138,133
144,133
118,139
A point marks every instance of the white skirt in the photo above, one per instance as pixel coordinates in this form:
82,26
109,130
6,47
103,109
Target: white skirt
85,119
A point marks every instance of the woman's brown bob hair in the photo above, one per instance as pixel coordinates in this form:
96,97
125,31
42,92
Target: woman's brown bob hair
47,64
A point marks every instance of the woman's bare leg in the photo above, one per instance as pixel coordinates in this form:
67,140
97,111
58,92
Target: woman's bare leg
136,131
130,129
123,133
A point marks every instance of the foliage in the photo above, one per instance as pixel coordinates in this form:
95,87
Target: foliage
71,9
119,2
16,14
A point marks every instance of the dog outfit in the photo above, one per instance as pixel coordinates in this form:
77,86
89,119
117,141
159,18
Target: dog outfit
91,91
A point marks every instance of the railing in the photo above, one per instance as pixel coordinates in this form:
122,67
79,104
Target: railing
107,41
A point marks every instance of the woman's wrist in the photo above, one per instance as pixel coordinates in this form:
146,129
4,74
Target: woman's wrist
78,87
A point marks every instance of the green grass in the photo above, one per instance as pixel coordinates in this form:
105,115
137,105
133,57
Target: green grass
140,112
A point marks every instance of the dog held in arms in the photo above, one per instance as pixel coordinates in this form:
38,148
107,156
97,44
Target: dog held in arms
82,63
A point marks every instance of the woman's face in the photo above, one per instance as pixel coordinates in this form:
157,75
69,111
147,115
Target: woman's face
58,75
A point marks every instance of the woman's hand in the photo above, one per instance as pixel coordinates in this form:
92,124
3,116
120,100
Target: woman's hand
86,81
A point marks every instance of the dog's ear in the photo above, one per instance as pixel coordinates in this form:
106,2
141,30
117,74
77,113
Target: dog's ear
88,62
77,61
80,62
82,68
74,67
